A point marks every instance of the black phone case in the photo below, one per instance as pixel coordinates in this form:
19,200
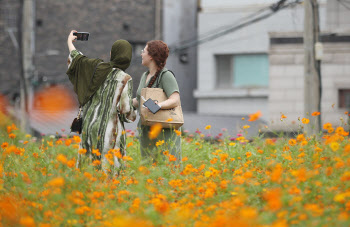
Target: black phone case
82,36
152,106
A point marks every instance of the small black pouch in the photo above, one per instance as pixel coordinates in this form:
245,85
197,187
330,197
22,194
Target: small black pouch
77,123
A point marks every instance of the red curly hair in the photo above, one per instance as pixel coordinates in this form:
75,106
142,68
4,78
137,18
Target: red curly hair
159,51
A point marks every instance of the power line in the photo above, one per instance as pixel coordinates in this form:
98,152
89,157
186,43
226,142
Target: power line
343,3
218,32
274,8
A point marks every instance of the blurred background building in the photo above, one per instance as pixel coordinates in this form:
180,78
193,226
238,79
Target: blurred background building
261,66
227,61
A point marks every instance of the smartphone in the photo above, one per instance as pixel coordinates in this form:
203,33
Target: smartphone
152,106
82,36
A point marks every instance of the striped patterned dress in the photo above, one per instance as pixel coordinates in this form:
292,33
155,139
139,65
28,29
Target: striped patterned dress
103,123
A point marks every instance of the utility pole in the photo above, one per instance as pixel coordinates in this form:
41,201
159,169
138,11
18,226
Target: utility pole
312,63
158,19
27,52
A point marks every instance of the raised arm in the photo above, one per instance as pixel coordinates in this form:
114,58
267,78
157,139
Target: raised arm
70,40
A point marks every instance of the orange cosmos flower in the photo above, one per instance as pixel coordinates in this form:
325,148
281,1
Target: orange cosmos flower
177,132
283,116
62,158
254,116
56,182
273,198
327,126
127,158
172,158
292,142
4,145
71,163
277,173
315,113
305,121
154,131
68,142
12,136
347,148
76,139
345,176
82,151
27,221
96,163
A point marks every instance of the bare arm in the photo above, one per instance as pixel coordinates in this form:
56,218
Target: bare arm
70,40
135,103
171,102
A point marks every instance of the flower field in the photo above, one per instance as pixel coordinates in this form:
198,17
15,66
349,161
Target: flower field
297,181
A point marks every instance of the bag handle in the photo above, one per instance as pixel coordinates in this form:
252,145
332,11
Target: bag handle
159,77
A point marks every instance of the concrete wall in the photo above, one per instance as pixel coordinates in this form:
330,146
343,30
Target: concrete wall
180,24
251,39
338,14
107,22
286,89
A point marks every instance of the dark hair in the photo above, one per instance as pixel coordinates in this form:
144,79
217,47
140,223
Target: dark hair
159,51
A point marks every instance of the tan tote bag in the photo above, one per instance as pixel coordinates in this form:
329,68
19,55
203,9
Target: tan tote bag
171,118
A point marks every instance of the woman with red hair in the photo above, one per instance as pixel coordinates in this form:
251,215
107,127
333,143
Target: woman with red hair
154,57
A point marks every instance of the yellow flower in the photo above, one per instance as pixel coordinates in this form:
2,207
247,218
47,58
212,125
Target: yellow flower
207,174
246,126
334,146
159,143
207,127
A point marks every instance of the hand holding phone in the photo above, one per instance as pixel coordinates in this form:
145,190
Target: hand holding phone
152,106
82,36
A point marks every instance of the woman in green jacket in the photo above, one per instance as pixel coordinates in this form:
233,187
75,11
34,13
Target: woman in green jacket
105,92
154,57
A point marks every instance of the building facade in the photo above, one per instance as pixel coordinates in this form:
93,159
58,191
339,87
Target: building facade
244,71
134,21
179,29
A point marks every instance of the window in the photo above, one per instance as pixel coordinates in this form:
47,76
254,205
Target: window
344,98
242,70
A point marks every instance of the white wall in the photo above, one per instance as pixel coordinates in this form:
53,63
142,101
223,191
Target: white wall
251,39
